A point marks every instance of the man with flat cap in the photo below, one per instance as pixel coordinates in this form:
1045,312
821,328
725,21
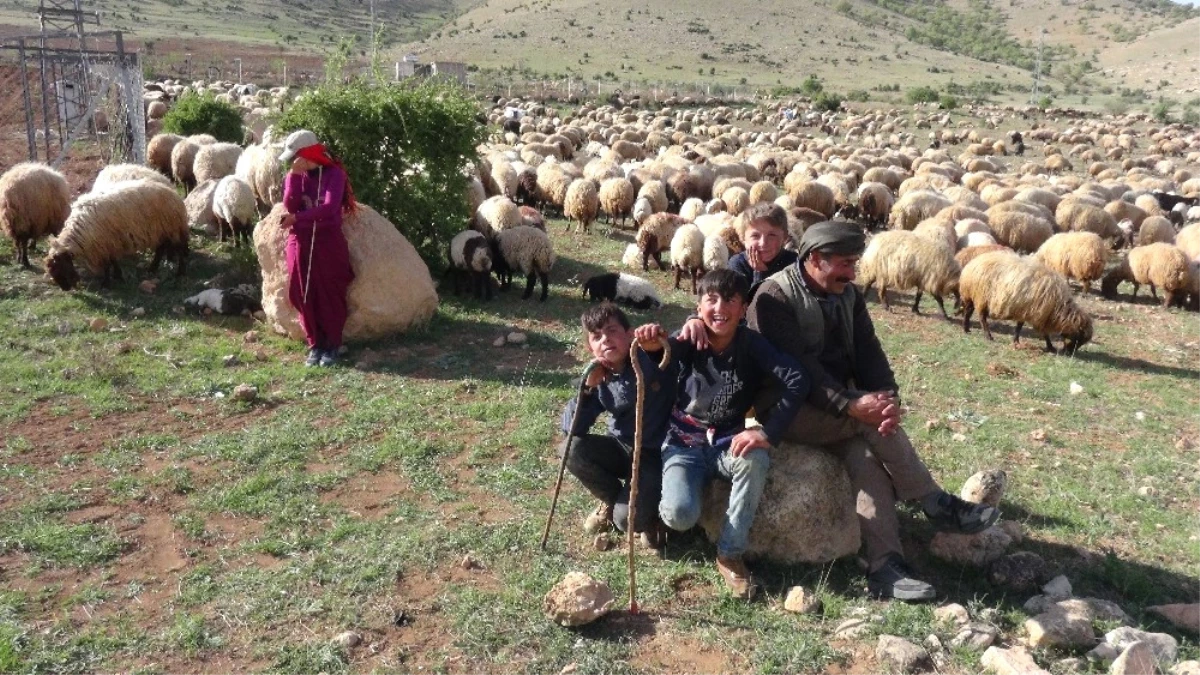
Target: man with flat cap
813,312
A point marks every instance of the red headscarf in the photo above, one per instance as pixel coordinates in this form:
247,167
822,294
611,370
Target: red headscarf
319,154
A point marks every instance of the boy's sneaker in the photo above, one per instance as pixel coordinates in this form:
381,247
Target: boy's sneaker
737,577
896,580
328,358
314,357
948,513
599,520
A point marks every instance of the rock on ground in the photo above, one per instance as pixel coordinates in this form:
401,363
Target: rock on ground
1186,668
1018,571
1183,617
1058,588
985,487
952,613
1065,624
1013,661
577,600
1165,647
802,601
807,510
971,549
975,636
391,292
901,654
1137,659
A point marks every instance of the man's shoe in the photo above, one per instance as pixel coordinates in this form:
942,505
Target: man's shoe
951,514
599,520
656,538
737,577
895,580
314,357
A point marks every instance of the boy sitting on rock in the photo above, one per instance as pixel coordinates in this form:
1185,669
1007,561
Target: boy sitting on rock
707,435
603,462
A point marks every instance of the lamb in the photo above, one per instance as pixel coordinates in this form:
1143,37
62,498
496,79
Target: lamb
687,254
158,152
1155,229
471,261
617,198
716,253
1159,265
495,215
1002,285
906,260
525,249
623,288
1019,231
582,204
119,173
105,226
215,161
654,237
914,207
642,209
234,207
35,201
239,300
1075,255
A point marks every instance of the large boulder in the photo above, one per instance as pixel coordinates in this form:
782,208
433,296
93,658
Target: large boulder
392,290
199,205
577,600
806,514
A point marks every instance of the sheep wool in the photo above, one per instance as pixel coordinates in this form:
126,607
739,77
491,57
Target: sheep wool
617,197
687,254
654,237
875,202
636,292
471,261
495,215
810,194
119,173
970,253
1188,241
716,253
260,168
1019,231
656,193
1160,265
914,207
527,250
199,205
937,231
132,216
1155,229
235,209
691,209
35,201
736,199
905,260
1077,216
632,257
582,204
158,152
1075,255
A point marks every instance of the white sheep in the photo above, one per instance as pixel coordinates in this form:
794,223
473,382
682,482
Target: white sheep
119,173
687,254
35,201
582,204
495,215
716,253
528,250
623,288
234,207
215,161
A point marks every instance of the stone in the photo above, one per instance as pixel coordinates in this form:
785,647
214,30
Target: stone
1073,664
1136,659
1037,604
807,512
392,290
65,328
602,542
348,640
250,337
959,438
1020,571
577,600
970,549
1013,529
468,562
516,338
1185,668
1103,653
231,360
97,324
148,286
138,312
851,628
245,393
1061,627
199,206
1147,491
1076,388
1012,661
498,342
1165,647
933,644
975,636
1038,435
901,654
985,487
1183,617
261,354
1108,611
952,613
1058,588
569,668
802,601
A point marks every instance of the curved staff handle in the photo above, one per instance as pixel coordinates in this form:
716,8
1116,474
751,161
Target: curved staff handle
562,467
637,458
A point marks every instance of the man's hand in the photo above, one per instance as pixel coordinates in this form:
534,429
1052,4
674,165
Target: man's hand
694,332
755,258
879,409
747,441
649,337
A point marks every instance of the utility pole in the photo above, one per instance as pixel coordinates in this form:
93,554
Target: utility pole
372,40
1037,72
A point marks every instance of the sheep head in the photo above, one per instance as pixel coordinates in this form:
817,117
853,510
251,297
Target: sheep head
60,265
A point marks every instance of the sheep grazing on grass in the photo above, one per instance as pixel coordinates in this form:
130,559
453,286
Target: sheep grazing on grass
906,260
617,197
632,257
234,207
656,193
875,202
1075,255
471,262
104,227
687,254
623,288
654,237
183,159
810,194
35,201
582,204
1002,285
1159,265
525,249
114,174
158,152
215,161
495,215
242,299
972,252
1076,216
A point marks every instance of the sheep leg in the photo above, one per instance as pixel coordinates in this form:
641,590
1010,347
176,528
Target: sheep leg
181,255
485,288
1087,286
1050,345
1136,286
916,308
983,321
678,275
658,260
941,305
529,280
1168,298
646,260
1017,333
1153,293
23,253
545,277
158,255
968,310
883,297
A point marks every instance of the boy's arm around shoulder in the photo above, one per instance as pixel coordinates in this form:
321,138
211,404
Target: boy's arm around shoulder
790,374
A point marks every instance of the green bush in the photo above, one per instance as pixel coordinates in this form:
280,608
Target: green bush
947,102
404,148
921,95
827,101
204,114
1161,111
811,86
860,95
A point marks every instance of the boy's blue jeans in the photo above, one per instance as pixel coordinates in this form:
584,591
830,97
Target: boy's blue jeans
686,470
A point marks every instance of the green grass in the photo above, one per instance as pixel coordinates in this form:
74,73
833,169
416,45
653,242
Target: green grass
151,524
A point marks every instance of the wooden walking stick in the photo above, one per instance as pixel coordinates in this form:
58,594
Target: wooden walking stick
562,467
637,459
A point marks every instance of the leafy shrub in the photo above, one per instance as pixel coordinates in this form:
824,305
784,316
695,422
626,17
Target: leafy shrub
1161,111
404,148
860,95
921,95
811,86
947,102
204,114
827,101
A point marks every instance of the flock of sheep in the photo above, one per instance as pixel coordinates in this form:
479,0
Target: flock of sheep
1002,234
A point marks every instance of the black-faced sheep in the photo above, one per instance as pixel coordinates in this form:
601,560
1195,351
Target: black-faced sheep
1159,265
525,249
905,260
623,288
241,299
1002,285
471,262
35,201
106,226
